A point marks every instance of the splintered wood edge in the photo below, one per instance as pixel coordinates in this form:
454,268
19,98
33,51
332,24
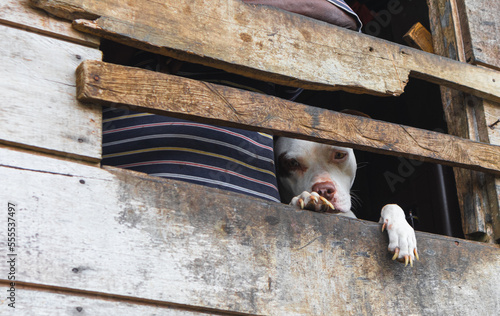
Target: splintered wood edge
64,10
419,37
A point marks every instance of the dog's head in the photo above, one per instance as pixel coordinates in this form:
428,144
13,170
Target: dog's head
314,167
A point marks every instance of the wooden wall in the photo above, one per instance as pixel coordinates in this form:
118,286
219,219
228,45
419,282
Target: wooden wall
39,55
458,31
93,237
104,241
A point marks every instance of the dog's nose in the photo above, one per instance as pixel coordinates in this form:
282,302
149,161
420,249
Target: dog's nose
325,189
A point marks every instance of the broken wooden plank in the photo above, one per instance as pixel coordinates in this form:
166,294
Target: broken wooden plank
185,98
19,13
480,21
418,37
154,239
39,107
272,45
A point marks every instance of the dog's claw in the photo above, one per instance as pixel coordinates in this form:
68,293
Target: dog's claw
312,201
383,226
301,203
406,260
416,254
396,254
328,204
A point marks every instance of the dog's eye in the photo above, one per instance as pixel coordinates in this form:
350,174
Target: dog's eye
340,155
292,164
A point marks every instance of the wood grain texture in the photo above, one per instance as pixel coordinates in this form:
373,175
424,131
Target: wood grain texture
175,96
45,301
480,20
465,116
419,37
492,115
492,122
19,13
116,232
39,107
272,45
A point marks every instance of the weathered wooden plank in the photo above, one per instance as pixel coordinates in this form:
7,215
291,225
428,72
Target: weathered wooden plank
21,14
39,107
175,96
116,232
442,28
33,300
492,122
492,116
272,45
465,117
472,196
480,21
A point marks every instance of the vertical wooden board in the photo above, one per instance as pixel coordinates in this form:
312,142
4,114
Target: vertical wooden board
492,118
480,21
465,118
442,28
42,302
492,115
21,14
118,233
37,96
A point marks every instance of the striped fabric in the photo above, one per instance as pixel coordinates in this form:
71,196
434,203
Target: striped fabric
226,158
341,4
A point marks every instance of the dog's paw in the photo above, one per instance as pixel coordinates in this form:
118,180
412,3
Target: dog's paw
402,241
312,201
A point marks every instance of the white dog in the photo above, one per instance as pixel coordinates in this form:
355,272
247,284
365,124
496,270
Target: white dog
319,177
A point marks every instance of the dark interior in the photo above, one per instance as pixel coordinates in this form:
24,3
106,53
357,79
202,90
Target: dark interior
426,191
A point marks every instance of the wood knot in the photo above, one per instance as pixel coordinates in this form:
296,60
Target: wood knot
245,37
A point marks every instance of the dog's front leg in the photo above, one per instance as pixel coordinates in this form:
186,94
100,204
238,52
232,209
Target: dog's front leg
402,240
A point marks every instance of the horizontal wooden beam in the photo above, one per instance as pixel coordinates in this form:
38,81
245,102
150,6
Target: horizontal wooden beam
180,97
272,45
122,234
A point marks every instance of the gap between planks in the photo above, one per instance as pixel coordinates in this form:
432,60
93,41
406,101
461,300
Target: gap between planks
117,298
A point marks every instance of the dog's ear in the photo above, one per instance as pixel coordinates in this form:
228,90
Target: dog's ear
355,112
